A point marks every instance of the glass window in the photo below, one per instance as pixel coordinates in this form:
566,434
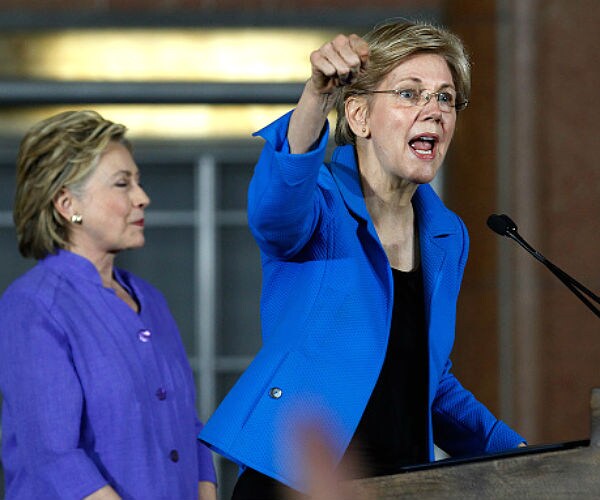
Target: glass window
238,292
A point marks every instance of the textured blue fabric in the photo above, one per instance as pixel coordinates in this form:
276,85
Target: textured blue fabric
326,311
95,393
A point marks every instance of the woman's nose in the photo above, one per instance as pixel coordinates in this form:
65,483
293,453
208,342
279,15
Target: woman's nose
141,198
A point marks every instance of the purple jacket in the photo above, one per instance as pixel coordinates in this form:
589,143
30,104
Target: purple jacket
94,393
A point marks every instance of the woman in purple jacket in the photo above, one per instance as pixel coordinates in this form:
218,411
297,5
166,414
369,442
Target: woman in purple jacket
362,265
99,399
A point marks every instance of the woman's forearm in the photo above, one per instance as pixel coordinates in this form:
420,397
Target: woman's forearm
308,119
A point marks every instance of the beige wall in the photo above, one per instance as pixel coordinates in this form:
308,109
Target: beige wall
545,342
567,168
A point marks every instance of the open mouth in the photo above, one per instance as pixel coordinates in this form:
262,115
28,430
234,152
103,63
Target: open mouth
424,145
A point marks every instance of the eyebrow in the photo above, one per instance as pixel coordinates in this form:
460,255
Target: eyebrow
127,173
415,79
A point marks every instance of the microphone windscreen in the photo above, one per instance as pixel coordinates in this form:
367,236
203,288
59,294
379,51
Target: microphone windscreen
510,224
497,224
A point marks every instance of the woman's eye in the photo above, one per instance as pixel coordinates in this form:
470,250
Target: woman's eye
446,98
122,184
408,94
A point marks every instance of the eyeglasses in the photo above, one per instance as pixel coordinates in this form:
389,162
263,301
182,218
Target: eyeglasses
412,97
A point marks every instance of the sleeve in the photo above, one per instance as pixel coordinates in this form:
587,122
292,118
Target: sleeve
462,425
283,200
43,402
206,468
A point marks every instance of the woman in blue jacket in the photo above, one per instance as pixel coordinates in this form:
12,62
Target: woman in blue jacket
362,265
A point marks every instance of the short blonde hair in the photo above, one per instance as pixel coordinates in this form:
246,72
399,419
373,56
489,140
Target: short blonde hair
59,152
391,43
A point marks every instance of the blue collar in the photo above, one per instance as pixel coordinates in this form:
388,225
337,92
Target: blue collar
72,265
75,267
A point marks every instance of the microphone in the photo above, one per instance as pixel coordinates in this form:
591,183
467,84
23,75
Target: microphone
504,226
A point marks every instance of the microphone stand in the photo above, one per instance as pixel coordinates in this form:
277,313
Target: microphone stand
509,228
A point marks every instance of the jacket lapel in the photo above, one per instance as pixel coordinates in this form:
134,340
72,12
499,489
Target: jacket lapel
437,225
437,234
345,173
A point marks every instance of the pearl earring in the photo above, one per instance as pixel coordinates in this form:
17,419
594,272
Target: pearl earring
76,218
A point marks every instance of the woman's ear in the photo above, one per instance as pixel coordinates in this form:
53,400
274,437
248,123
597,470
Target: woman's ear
63,203
357,112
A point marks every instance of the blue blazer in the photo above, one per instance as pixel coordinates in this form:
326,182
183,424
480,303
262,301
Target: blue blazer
326,312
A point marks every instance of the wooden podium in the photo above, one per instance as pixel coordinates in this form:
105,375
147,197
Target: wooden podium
563,470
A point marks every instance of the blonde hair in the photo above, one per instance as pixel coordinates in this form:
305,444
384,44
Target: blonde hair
391,43
59,152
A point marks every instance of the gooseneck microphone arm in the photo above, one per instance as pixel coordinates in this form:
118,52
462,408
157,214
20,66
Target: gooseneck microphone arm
504,226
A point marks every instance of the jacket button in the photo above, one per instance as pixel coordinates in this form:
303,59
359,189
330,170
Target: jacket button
144,335
275,392
174,456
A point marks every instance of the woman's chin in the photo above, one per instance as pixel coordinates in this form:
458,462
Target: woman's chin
138,243
423,177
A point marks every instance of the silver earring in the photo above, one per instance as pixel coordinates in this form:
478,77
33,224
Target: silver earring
76,218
